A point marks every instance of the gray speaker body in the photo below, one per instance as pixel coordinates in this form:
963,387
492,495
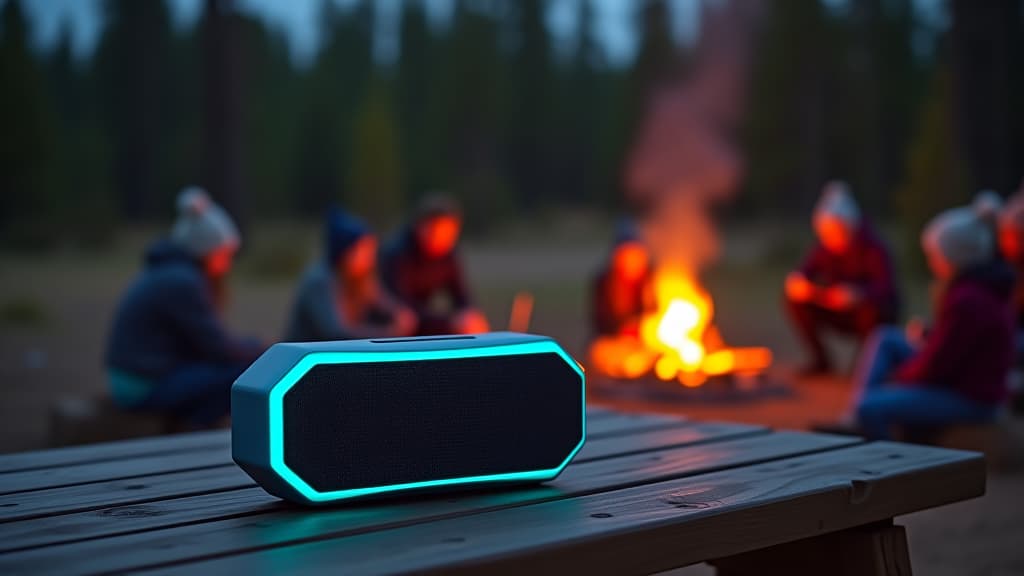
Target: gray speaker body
320,423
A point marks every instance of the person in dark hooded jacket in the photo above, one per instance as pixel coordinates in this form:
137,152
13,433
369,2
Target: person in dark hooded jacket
622,290
958,372
846,283
622,294
421,266
168,351
339,296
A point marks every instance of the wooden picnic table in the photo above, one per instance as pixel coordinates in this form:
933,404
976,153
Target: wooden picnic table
647,493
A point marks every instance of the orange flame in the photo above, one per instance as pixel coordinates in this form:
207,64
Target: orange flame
678,341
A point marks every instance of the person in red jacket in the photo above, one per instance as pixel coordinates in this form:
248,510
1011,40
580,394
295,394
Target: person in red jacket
846,283
957,372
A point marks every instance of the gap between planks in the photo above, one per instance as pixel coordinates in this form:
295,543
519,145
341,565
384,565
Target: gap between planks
276,527
215,450
648,528
137,490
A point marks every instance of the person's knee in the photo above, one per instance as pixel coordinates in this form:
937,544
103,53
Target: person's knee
869,409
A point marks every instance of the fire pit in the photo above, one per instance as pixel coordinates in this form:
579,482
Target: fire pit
678,342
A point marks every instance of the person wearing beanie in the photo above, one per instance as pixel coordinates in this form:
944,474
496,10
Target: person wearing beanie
339,296
168,351
421,266
957,372
846,283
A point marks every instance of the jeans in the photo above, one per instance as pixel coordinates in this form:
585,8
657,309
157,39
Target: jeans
198,393
882,404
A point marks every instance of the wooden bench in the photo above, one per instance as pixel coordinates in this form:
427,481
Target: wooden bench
646,494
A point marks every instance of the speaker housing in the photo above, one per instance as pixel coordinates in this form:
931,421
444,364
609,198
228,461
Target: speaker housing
324,422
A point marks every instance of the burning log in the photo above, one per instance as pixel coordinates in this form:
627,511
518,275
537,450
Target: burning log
677,340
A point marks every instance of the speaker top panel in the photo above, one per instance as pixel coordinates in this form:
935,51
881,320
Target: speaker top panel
360,418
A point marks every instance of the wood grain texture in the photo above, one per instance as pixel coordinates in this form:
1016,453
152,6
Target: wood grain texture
56,477
214,449
652,527
261,524
95,453
141,489
130,491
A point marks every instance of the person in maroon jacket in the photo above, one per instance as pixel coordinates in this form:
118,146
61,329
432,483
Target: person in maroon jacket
421,266
846,283
957,372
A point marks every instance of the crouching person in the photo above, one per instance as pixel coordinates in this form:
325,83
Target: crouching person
622,293
339,297
957,373
168,351
846,282
422,267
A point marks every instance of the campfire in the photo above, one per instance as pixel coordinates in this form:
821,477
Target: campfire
677,340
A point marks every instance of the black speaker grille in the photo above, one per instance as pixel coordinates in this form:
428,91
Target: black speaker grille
374,424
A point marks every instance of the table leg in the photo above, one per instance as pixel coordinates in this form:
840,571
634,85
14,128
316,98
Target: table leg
872,550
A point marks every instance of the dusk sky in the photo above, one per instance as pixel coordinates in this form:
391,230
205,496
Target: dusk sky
615,21
298,19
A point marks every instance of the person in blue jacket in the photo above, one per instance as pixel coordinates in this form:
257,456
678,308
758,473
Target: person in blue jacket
168,350
340,296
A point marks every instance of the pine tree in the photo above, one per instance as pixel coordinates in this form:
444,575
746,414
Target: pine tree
375,186
332,91
139,90
477,125
934,180
28,205
422,91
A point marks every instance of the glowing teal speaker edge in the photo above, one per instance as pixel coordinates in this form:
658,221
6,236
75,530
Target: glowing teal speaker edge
276,409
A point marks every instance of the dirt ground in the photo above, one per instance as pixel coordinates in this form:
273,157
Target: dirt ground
55,310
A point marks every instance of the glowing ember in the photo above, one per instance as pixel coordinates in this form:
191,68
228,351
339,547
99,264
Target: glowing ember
677,341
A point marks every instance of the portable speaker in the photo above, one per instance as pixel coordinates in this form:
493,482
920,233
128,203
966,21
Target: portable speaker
321,422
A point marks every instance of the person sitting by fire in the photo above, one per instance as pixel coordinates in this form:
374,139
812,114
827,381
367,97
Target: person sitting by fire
957,372
622,293
622,290
340,297
421,266
846,283
1011,246
168,351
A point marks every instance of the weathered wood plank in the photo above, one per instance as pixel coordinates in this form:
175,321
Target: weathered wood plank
121,492
652,527
659,464
93,453
216,451
58,477
141,489
629,422
279,526
645,440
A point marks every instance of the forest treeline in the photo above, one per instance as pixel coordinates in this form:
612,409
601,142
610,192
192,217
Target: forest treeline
489,108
